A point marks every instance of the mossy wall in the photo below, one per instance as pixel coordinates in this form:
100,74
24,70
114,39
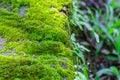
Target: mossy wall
34,42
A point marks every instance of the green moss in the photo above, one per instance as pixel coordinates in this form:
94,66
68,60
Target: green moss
39,33
56,48
63,65
26,68
36,48
37,43
12,34
25,47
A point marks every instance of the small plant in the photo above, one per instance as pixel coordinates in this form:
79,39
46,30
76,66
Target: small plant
81,18
116,54
108,71
107,26
79,60
103,25
108,30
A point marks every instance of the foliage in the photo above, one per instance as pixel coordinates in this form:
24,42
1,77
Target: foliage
114,4
81,19
79,60
116,55
108,30
103,25
109,71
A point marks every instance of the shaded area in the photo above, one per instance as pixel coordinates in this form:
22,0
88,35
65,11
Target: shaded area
96,26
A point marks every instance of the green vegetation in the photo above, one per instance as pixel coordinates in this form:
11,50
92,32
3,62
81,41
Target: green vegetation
36,41
59,40
109,71
79,60
96,26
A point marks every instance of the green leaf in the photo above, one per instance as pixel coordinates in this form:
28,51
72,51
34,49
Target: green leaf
117,24
82,48
96,37
114,70
85,71
73,37
109,71
104,71
111,57
99,46
115,3
80,76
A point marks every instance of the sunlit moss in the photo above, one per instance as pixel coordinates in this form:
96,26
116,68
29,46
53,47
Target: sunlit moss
25,69
37,43
12,34
46,67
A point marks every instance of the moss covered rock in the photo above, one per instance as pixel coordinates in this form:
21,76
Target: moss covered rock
36,43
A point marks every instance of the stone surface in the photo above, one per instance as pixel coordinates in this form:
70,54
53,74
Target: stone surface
2,42
22,10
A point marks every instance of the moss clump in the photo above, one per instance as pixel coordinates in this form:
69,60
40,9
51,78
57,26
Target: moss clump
37,48
44,67
25,69
56,48
12,34
34,31
36,43
61,64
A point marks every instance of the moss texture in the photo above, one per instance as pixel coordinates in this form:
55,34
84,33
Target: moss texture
36,45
